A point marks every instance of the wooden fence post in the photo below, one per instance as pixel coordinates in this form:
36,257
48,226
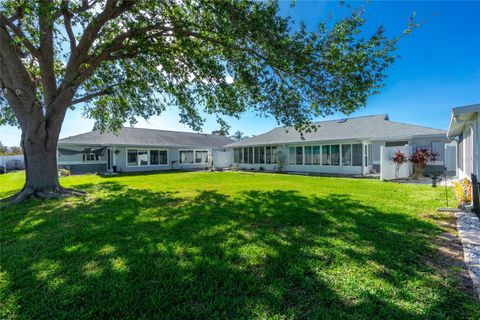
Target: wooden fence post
475,195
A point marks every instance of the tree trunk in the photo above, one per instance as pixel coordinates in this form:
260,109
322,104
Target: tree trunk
39,143
40,164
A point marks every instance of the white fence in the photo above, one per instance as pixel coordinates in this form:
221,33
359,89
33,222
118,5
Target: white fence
388,167
222,159
11,163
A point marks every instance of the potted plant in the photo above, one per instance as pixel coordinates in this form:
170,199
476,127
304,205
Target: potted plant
399,158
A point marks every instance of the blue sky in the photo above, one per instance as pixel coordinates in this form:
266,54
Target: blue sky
439,67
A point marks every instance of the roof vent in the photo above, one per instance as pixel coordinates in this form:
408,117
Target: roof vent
342,120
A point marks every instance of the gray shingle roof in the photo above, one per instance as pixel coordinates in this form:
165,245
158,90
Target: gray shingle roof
148,137
375,127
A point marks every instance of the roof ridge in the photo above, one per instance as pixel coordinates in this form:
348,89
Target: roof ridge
384,115
176,131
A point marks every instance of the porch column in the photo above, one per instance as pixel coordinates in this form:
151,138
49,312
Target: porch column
114,158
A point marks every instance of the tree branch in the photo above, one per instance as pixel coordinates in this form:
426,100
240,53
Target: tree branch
46,61
110,11
90,96
84,7
67,20
19,33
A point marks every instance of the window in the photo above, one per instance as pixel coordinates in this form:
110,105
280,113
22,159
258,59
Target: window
274,154
299,155
316,155
250,155
91,157
335,157
357,155
236,155
308,154
201,156
186,156
395,143
154,157
346,154
132,158
143,157
158,157
262,155
258,155
245,155
268,155
291,155
325,155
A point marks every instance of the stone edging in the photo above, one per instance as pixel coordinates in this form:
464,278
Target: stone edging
468,225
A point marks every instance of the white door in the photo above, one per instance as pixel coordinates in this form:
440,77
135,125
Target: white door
451,157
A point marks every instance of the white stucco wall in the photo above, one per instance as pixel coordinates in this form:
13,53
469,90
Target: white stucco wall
474,125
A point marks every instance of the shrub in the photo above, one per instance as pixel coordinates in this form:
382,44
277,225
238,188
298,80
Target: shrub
62,172
463,192
420,159
399,158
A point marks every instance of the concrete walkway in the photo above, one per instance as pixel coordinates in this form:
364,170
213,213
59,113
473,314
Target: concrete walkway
469,231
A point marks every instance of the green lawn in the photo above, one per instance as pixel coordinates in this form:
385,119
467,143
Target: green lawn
228,245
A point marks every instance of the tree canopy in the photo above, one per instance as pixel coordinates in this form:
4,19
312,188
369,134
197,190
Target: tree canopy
123,59
126,59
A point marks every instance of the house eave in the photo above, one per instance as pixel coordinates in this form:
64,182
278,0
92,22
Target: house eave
83,144
460,117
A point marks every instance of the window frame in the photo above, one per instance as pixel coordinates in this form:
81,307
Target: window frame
195,156
299,148
359,156
338,155
328,155
148,157
319,163
306,161
85,157
292,157
274,154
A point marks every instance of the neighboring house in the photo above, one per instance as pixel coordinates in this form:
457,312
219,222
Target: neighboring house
346,146
465,124
133,149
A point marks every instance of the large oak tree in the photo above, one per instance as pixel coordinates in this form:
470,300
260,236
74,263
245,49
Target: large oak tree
123,59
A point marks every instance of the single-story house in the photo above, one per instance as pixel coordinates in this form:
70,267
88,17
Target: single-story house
347,146
135,149
465,124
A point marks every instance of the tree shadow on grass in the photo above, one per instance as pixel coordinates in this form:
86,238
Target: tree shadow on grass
132,253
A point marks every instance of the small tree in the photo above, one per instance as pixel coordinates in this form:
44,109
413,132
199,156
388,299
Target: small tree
399,158
13,151
3,149
420,159
238,135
